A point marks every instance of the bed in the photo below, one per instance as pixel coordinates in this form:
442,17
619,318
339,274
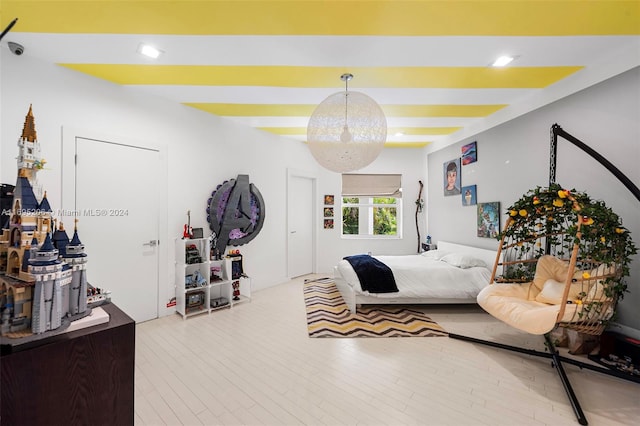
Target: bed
453,273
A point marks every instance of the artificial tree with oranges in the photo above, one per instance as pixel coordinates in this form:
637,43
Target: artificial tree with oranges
568,217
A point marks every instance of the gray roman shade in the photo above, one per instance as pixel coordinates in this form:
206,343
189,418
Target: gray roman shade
370,185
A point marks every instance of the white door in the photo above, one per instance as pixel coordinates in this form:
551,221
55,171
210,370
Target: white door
300,223
116,201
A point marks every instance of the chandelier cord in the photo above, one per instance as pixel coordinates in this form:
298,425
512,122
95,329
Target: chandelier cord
346,96
346,77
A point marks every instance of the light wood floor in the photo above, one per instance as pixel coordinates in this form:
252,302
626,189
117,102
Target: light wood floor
256,365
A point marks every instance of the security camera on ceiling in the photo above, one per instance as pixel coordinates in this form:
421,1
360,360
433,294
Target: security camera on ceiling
16,48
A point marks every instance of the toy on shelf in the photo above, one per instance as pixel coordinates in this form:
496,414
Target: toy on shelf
216,273
192,255
187,232
97,296
236,290
195,301
194,280
237,269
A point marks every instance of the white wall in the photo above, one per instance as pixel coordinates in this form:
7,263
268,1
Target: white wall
203,151
409,162
514,157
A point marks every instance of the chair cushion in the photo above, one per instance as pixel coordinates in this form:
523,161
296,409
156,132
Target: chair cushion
550,267
597,291
553,290
512,304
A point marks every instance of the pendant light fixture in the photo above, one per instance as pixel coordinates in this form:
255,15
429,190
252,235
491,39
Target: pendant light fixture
346,131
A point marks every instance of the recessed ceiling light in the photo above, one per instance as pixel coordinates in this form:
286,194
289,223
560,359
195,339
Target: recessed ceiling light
149,51
502,61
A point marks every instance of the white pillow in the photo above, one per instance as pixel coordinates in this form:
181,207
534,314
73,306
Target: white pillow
552,291
462,260
433,254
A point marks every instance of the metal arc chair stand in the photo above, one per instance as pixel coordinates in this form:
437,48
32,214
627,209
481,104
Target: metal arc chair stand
561,262
556,361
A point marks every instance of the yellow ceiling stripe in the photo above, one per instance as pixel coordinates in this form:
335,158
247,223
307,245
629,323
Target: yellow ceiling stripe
390,130
406,144
440,110
382,17
255,110
423,130
298,110
298,76
285,130
402,145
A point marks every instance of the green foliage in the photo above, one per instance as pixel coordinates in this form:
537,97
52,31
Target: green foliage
350,220
384,221
553,210
384,201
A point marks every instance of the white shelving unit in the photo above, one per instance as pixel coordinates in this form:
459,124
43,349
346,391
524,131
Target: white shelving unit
212,286
220,285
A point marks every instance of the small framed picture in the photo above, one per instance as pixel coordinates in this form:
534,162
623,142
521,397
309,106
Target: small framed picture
469,153
328,212
328,200
489,219
469,197
328,224
451,177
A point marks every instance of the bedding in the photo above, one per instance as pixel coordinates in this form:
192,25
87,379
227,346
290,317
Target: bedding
417,276
374,276
453,274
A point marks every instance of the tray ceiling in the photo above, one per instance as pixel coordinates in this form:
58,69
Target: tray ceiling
267,64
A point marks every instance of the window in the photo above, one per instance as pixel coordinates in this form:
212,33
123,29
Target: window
371,206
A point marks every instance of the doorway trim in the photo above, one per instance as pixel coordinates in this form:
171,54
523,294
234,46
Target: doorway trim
291,173
68,136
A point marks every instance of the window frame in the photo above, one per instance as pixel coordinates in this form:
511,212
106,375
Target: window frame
366,209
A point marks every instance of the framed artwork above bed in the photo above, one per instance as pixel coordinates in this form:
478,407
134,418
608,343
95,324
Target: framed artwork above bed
469,153
469,197
488,219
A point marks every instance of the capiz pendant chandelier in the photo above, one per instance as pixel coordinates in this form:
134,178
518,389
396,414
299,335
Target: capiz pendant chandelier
346,131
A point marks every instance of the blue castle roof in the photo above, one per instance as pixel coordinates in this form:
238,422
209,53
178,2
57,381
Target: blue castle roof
60,241
25,260
75,248
75,241
48,244
49,251
25,192
44,205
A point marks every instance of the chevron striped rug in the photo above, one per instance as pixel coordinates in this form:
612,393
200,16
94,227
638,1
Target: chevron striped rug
328,316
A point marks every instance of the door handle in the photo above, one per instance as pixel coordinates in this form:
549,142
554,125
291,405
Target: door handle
293,232
151,243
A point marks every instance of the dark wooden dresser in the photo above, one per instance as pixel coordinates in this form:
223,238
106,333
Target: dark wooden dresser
84,377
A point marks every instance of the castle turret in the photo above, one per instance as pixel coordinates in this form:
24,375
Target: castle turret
76,258
60,240
29,160
47,271
30,211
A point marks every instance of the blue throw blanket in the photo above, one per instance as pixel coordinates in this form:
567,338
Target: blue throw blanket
374,276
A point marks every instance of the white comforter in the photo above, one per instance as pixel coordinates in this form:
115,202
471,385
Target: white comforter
420,277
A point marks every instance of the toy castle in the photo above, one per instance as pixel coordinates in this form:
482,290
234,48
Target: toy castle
43,283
